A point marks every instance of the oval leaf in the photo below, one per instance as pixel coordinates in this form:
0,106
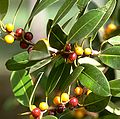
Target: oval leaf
92,78
49,117
3,8
111,57
71,78
65,8
115,87
85,25
93,102
22,86
114,40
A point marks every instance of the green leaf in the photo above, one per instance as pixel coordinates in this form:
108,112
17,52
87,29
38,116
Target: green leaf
3,8
49,117
49,24
95,103
110,116
113,108
39,65
71,78
55,75
85,25
108,8
19,62
114,40
39,51
22,86
115,87
111,57
65,8
57,37
92,78
41,5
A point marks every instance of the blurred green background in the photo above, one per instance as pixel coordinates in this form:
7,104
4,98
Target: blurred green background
9,108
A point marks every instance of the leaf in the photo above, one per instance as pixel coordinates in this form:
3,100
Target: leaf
49,24
111,57
19,62
114,40
65,8
115,87
57,37
92,78
55,76
49,117
42,5
85,25
71,78
95,103
39,65
39,51
22,86
108,8
3,8
110,116
113,108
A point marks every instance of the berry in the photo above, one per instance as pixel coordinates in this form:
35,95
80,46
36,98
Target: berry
36,112
28,36
9,39
68,47
52,112
9,27
88,51
80,113
56,100
60,108
78,90
73,102
24,45
64,97
43,106
33,107
79,50
72,56
110,28
19,32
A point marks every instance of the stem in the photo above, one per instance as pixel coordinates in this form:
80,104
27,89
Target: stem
2,26
14,19
103,44
30,102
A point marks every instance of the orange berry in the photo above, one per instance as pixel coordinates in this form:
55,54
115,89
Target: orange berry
64,97
56,100
78,90
9,39
43,106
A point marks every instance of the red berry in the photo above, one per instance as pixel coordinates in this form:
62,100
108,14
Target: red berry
28,36
60,108
68,47
73,102
72,56
36,112
19,32
52,112
24,45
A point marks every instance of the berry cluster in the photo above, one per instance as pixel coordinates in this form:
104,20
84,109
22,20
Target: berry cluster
25,38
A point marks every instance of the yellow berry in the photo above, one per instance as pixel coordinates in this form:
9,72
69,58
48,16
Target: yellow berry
88,51
88,92
78,90
64,97
46,42
110,28
9,27
43,106
9,39
33,107
56,100
79,50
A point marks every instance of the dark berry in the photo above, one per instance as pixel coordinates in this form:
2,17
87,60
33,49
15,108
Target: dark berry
24,45
68,47
28,36
19,32
72,56
73,102
60,108
36,112
52,112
